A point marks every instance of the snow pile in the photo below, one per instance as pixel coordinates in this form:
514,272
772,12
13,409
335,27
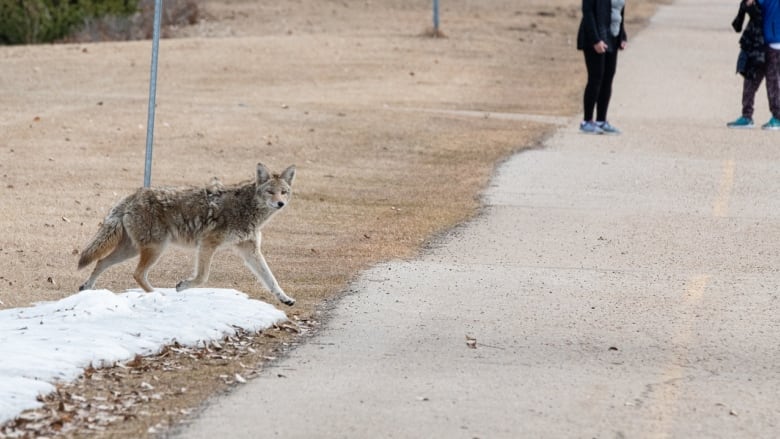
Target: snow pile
55,341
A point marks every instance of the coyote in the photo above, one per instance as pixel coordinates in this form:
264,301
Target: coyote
206,218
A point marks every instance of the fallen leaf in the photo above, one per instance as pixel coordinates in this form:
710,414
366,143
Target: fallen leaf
137,361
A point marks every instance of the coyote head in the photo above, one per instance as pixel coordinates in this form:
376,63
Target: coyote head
274,189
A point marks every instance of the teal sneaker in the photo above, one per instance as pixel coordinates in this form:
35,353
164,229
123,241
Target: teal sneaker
773,124
741,123
590,127
607,128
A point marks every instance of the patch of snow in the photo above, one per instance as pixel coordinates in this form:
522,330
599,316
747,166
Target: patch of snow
55,341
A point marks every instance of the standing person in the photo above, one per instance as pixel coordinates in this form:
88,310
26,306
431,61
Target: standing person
771,12
600,36
751,63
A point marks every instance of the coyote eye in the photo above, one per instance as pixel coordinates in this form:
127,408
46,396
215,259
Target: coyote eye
284,192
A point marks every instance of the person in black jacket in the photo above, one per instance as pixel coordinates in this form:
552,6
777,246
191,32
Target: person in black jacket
751,63
600,36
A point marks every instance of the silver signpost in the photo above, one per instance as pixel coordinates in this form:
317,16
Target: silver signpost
435,17
152,93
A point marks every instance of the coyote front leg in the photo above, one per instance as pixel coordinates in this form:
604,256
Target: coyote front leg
250,251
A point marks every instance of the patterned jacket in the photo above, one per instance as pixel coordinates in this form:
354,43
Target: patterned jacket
752,54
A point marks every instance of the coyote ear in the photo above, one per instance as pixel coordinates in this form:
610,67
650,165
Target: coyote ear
262,173
289,174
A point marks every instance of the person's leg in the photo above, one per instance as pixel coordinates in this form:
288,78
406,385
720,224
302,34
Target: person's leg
602,104
594,63
749,89
773,81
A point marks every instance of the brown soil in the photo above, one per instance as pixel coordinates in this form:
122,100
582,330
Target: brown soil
340,88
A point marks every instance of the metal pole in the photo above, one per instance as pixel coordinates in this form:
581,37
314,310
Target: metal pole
435,17
152,92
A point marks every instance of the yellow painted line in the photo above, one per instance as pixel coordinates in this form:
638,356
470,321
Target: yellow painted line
695,291
670,383
721,206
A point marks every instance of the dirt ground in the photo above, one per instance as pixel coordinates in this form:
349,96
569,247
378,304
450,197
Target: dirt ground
352,92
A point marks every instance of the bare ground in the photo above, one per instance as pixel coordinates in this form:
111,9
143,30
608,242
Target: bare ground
353,92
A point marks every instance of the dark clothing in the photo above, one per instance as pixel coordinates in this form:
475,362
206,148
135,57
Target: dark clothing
598,91
594,27
770,10
749,89
773,81
751,60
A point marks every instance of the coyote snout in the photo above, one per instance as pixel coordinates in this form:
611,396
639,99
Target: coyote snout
276,202
206,218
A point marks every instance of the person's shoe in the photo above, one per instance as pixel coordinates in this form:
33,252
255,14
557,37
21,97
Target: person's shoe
741,123
773,124
590,127
607,128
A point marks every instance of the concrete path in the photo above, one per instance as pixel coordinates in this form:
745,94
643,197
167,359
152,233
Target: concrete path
617,287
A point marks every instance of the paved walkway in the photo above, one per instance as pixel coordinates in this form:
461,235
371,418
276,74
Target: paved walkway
616,286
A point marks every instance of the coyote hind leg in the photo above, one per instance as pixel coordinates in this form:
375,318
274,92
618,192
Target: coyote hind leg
149,255
125,250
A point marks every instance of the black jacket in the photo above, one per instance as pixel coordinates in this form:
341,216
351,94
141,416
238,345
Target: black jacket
594,27
751,58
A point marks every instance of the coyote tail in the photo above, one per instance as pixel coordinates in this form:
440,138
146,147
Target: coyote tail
105,241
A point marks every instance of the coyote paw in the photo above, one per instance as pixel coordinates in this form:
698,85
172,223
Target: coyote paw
284,298
183,285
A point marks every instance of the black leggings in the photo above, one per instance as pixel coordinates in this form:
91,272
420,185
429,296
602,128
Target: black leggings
601,70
